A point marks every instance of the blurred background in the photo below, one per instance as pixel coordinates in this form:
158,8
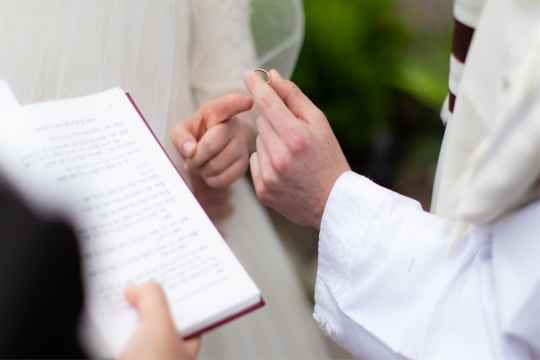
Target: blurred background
379,71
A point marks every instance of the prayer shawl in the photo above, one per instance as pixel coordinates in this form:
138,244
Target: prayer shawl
489,163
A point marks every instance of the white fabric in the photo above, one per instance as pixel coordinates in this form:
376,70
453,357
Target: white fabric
490,158
172,56
7,100
454,78
445,110
468,11
385,290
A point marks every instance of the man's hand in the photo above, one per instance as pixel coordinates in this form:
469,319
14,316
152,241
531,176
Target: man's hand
298,158
156,337
213,140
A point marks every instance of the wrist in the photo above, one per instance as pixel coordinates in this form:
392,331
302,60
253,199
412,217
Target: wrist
327,198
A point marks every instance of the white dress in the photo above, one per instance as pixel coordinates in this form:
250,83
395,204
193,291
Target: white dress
172,56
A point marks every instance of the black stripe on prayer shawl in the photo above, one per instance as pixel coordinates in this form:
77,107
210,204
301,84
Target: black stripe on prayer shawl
451,101
461,41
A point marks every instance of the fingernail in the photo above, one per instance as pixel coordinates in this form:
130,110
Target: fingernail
186,167
247,75
188,148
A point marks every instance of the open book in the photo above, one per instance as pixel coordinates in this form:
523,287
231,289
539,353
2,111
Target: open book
94,161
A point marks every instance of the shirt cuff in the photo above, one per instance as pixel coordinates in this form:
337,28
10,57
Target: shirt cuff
348,215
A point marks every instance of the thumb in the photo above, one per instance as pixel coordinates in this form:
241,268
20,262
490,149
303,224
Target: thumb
150,300
184,141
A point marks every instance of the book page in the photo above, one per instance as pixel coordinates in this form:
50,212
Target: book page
96,162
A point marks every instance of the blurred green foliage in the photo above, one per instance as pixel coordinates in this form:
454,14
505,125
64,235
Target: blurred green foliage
348,63
356,55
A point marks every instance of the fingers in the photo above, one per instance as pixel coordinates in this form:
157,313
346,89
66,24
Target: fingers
298,103
225,107
183,138
186,133
150,300
222,155
229,175
272,98
193,346
156,336
269,177
208,195
224,159
269,102
213,142
264,178
273,150
257,177
218,211
215,202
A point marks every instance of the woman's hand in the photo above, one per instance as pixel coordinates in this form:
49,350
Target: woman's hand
215,202
213,140
156,337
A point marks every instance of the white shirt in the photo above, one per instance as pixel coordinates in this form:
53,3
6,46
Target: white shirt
385,290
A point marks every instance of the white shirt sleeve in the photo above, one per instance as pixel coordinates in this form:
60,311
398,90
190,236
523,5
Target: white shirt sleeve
385,290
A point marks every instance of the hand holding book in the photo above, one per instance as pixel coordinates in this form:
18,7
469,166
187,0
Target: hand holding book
156,336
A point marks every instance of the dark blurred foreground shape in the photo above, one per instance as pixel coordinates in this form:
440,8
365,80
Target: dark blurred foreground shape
40,285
